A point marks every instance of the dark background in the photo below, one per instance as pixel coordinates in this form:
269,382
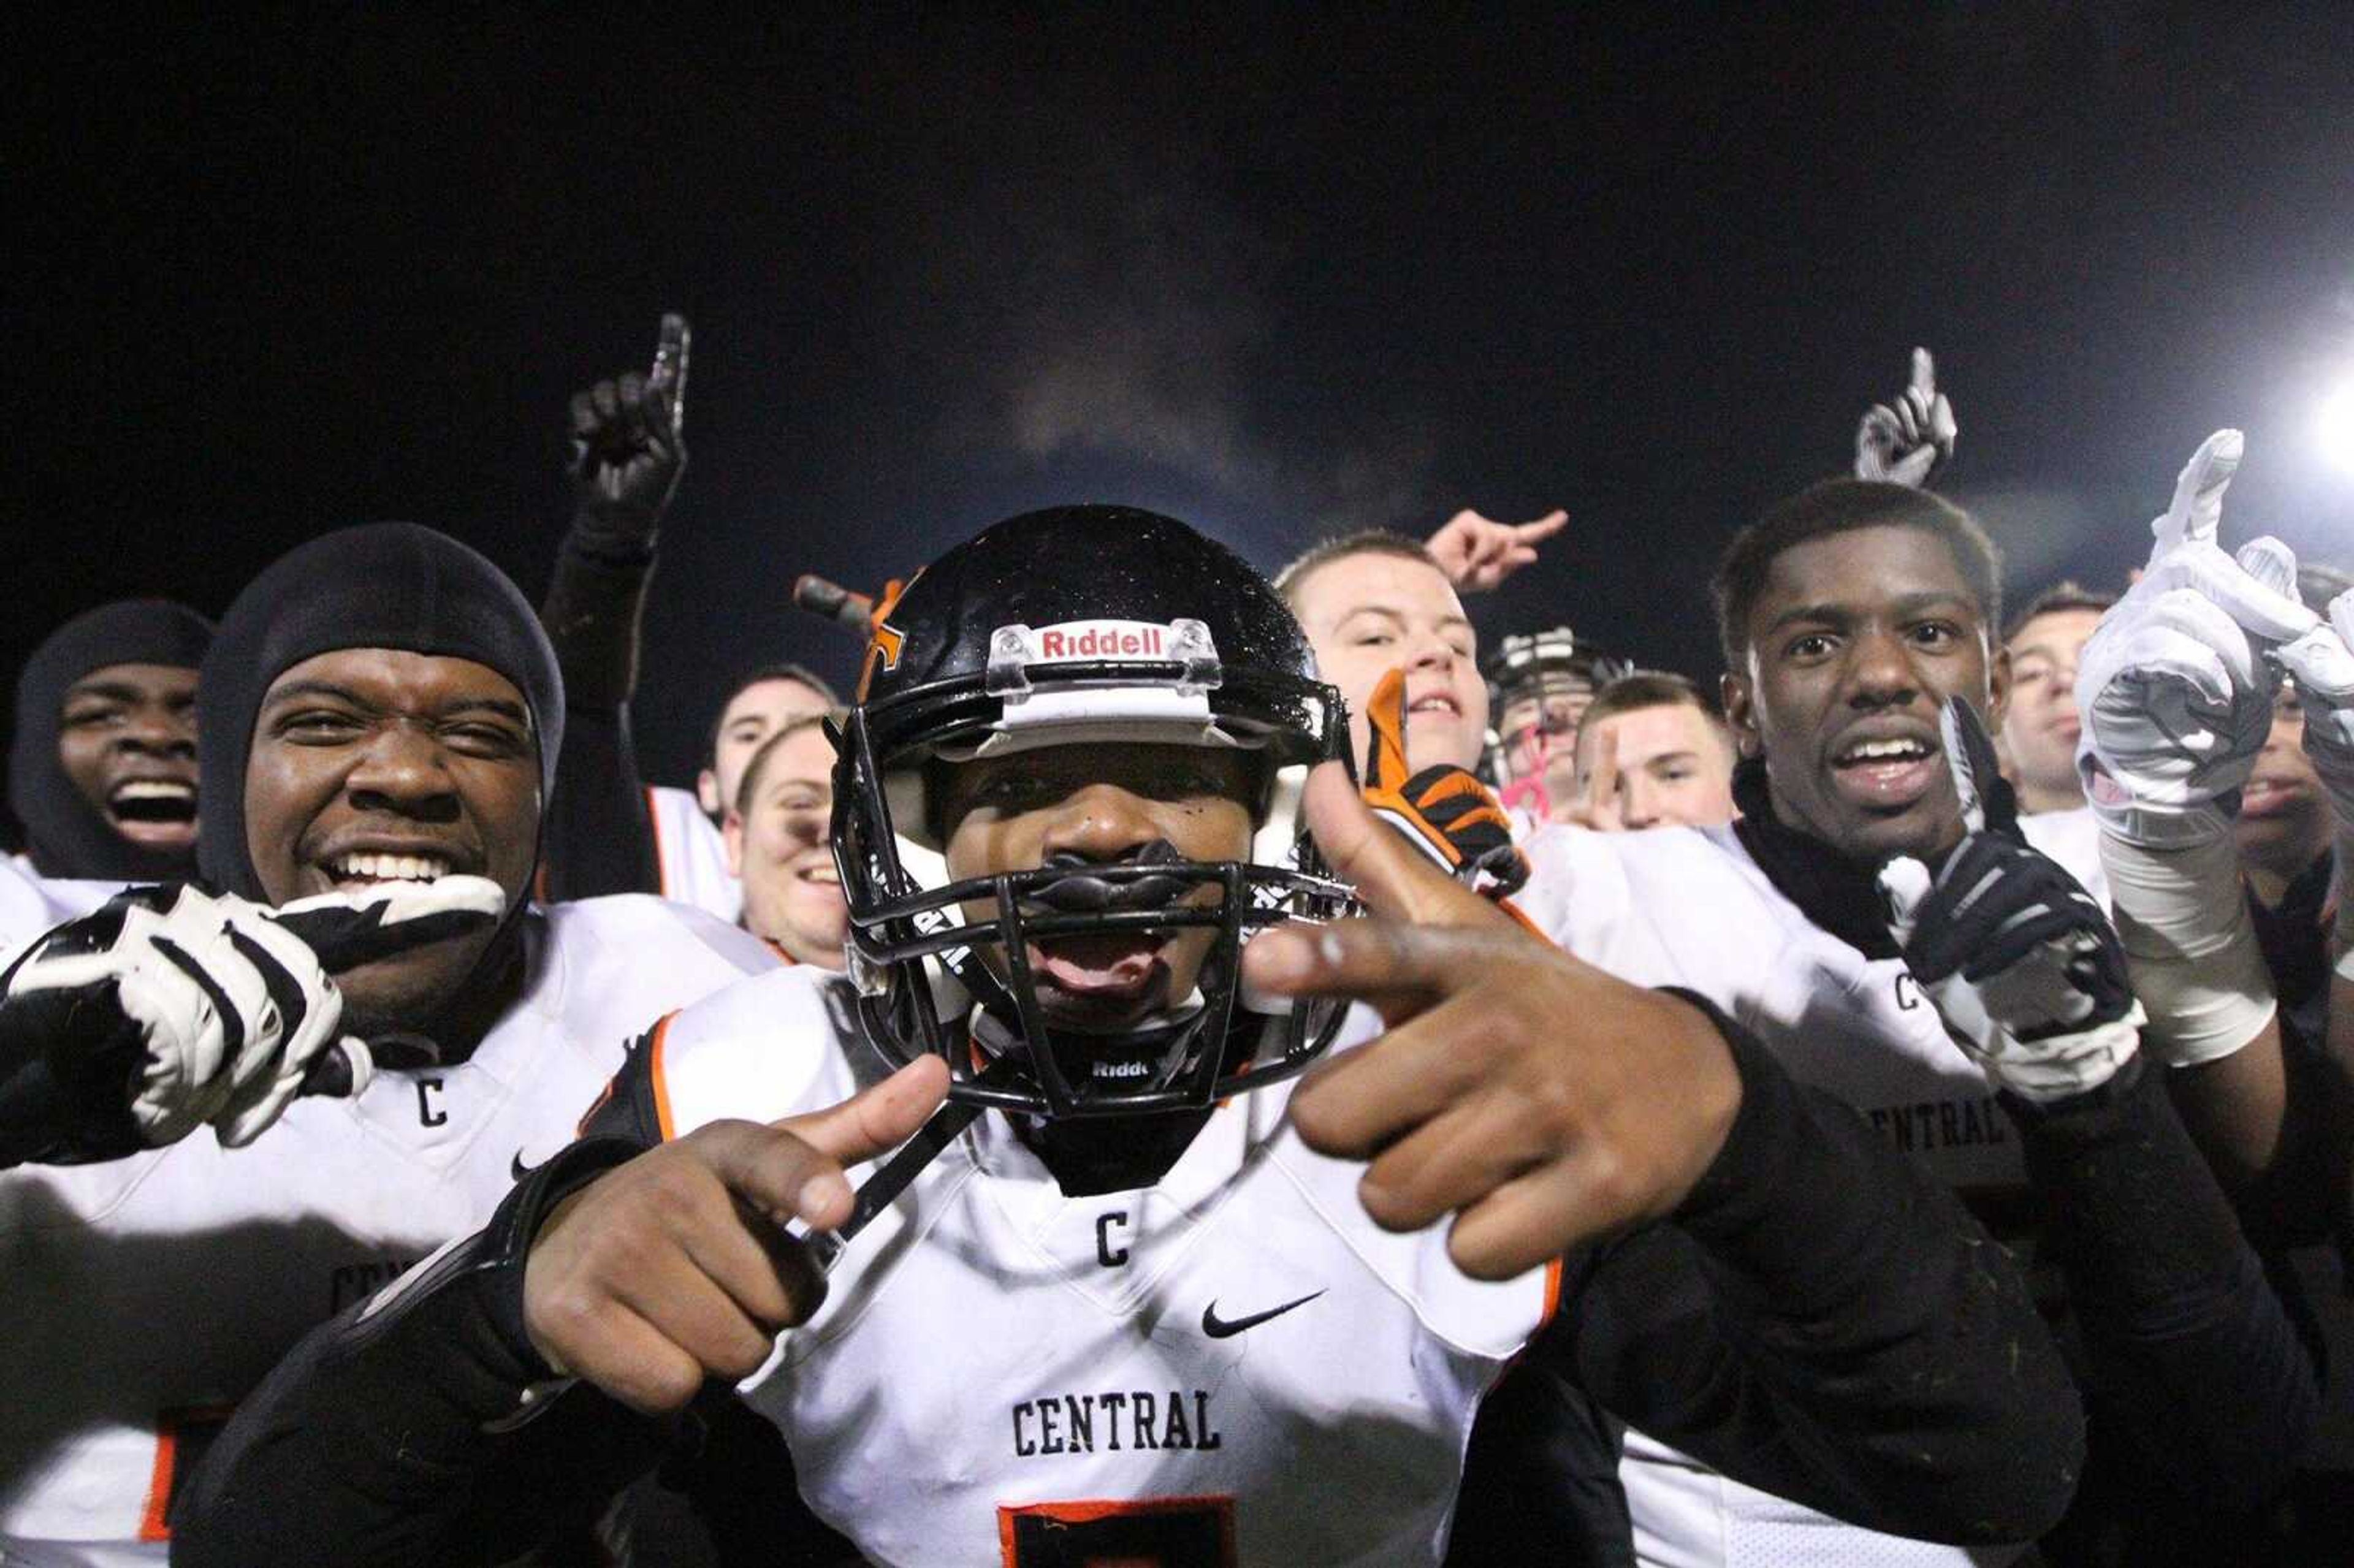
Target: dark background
1279,273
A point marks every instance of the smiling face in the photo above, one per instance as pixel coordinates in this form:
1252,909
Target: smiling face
751,716
1370,613
2283,825
372,764
127,739
1076,807
2039,732
1853,645
781,844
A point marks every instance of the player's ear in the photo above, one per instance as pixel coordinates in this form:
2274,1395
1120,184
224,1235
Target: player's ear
1997,689
731,834
1741,715
706,792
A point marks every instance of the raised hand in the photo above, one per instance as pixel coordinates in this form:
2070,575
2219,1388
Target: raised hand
2025,971
676,1267
1597,803
1539,1100
2173,689
628,446
1443,809
170,1008
1478,553
1902,440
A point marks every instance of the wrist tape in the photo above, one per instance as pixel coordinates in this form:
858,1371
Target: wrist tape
2191,946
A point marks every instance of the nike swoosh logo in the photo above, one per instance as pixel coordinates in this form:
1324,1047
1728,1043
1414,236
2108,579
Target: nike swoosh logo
1219,1328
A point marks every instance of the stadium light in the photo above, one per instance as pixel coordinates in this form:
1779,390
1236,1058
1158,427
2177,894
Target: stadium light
2333,430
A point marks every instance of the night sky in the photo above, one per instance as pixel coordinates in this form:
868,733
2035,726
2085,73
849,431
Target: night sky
1278,273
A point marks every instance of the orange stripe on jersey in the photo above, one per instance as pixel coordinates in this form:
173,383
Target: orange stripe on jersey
655,1074
661,860
1552,1295
1219,1511
778,949
159,1489
1530,927
155,1515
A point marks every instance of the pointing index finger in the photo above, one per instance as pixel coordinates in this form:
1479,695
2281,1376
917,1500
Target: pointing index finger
2198,505
1924,376
669,377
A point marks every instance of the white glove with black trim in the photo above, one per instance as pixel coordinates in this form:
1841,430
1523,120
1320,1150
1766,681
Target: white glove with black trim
1901,440
2173,689
2024,970
228,1003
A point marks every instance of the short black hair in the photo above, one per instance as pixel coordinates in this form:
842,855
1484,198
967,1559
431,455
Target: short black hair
753,677
2065,594
1364,542
1842,506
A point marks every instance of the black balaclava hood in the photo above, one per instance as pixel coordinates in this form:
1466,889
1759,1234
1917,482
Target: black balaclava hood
380,585
67,835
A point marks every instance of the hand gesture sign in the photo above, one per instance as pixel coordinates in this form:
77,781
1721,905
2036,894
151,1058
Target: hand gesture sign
1478,553
1902,440
2174,689
676,1267
627,447
1539,1100
1598,803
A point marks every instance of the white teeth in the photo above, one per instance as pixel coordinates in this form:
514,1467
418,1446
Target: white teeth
156,790
389,867
823,873
1876,750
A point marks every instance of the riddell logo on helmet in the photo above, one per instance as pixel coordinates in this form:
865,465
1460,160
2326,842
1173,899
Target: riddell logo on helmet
1102,640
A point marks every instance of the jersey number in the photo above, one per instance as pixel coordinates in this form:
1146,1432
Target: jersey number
1145,1532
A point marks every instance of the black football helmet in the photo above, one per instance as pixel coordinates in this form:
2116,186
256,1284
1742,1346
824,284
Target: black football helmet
1095,626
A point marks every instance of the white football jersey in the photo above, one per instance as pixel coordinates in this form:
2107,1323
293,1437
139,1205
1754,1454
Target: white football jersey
144,1296
690,855
1690,908
30,903
1234,1365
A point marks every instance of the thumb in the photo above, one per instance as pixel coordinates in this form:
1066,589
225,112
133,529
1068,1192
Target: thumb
1904,884
792,1170
1385,766
1390,876
879,1117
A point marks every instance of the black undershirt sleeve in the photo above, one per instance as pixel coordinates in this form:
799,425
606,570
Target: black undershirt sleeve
2190,1354
599,838
1823,1320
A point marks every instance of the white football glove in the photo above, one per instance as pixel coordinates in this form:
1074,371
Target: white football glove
2173,689
230,1001
2024,970
1901,440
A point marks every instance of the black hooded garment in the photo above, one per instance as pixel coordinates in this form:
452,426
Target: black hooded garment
65,835
380,585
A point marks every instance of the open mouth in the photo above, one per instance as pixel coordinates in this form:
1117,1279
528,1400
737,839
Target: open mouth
367,868
1885,772
1114,967
153,801
1436,702
2265,798
819,874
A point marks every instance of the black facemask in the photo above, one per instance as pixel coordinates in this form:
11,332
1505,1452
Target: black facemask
65,833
